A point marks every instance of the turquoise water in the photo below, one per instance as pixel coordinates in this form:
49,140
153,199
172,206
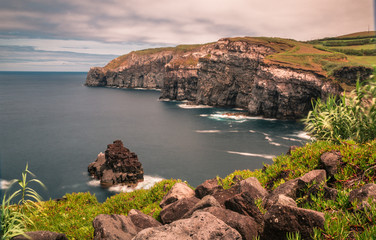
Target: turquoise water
58,126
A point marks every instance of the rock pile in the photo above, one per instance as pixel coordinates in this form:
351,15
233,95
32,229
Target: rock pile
117,165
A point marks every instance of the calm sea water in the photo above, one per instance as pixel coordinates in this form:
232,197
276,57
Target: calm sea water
58,126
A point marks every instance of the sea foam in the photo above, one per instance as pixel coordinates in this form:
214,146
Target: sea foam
252,154
188,106
208,131
4,184
148,182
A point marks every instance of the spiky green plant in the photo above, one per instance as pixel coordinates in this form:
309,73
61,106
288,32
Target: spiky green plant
351,117
13,219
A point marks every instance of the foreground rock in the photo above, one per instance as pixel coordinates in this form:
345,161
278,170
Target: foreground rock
280,220
178,191
117,165
177,210
119,227
41,235
201,225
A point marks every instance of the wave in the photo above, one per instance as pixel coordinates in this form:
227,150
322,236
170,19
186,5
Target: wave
189,106
302,135
148,182
291,139
4,184
208,131
252,154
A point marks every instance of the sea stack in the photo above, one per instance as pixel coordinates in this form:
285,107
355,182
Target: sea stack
118,165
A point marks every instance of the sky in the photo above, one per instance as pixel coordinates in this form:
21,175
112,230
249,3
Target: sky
74,35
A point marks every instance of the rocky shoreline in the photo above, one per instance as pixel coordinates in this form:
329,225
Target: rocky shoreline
227,73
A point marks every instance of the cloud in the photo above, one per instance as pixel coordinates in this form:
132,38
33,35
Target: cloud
96,28
173,22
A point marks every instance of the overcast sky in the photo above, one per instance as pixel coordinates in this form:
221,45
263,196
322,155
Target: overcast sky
73,35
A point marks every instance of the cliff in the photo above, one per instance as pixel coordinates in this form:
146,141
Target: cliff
270,77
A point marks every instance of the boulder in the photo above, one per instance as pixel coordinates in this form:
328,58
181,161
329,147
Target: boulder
279,220
245,225
289,189
244,204
253,187
207,188
178,191
329,193
117,165
41,235
284,201
363,193
178,209
202,225
330,162
224,194
141,220
317,176
205,202
113,227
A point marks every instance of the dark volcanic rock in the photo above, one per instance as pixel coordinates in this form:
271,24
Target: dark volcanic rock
202,225
205,202
41,235
177,209
253,187
279,220
141,220
207,188
330,162
178,191
363,193
245,225
224,194
117,166
113,227
244,204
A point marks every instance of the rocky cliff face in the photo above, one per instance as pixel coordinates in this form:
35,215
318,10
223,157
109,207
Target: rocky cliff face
227,73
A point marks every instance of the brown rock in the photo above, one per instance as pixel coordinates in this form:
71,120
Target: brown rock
253,187
280,220
207,188
363,193
113,227
117,166
41,235
178,191
318,176
331,161
244,204
223,195
177,209
245,225
141,220
205,202
289,189
200,226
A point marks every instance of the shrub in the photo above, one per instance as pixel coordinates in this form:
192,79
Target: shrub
351,117
12,217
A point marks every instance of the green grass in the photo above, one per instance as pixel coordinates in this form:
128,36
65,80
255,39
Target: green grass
74,215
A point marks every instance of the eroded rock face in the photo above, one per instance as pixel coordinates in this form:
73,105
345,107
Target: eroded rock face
227,73
117,165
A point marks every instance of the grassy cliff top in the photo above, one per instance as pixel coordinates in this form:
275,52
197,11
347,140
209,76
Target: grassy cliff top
320,56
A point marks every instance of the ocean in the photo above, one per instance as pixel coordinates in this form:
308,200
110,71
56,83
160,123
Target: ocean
58,126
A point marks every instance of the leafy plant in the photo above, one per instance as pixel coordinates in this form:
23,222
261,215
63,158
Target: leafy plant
351,117
13,218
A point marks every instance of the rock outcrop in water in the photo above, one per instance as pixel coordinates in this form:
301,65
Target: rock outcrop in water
117,165
228,73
